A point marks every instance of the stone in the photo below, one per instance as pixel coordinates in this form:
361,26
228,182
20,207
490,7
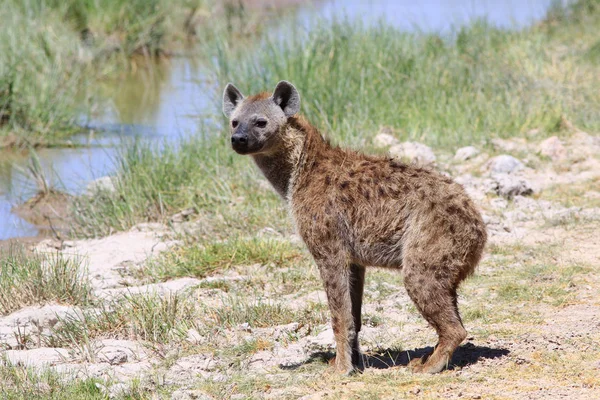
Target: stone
105,184
413,152
194,337
117,352
382,140
323,342
37,358
466,153
504,164
183,215
509,186
553,148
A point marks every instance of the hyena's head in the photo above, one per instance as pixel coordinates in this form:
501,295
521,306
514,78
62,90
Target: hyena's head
256,121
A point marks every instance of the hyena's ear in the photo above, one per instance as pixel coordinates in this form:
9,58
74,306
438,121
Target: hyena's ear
287,97
231,97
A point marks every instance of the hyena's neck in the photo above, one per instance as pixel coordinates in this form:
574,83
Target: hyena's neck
282,166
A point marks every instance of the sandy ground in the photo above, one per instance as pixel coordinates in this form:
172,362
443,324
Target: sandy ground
532,310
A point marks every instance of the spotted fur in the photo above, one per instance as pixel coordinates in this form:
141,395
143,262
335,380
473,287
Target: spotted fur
354,211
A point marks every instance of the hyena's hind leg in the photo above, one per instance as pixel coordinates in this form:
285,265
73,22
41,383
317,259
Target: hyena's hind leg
357,284
434,293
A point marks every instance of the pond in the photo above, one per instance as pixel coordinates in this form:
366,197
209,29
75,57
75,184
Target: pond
167,103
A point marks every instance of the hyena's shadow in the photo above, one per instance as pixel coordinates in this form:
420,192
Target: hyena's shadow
466,354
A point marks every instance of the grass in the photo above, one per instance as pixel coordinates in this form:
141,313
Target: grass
202,260
147,317
27,279
54,54
466,88
199,173
478,83
21,383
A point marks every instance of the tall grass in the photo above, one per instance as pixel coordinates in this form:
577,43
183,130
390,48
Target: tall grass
54,52
466,88
40,70
156,182
27,279
477,83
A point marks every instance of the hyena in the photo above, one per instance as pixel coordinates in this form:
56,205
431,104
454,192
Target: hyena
354,211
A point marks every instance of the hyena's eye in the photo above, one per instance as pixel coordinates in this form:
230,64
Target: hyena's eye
261,123
234,123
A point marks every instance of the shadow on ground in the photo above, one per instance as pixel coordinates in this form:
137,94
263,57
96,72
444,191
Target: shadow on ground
465,355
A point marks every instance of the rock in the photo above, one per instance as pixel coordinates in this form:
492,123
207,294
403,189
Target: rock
504,164
183,394
553,148
116,352
414,152
37,358
323,342
105,184
190,367
384,140
509,186
183,215
465,153
499,203
194,337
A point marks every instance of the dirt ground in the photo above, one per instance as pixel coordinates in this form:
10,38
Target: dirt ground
532,309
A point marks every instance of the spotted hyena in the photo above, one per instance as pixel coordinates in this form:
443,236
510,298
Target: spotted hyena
354,211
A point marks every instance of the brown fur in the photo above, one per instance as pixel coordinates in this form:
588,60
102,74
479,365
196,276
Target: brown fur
355,211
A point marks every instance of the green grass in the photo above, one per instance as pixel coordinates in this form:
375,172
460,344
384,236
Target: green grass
27,279
202,173
479,83
20,383
54,54
202,260
147,317
466,88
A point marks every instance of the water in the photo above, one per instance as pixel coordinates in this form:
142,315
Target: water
167,104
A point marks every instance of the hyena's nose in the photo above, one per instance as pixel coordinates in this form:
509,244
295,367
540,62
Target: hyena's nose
239,141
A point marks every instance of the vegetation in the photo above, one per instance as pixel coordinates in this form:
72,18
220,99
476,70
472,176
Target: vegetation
27,279
53,54
467,88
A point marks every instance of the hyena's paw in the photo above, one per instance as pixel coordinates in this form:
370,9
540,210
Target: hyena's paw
344,369
424,365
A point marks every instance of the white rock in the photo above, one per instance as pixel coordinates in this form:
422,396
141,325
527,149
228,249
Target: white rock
324,341
509,186
105,184
37,358
116,352
414,152
384,140
504,164
553,148
465,153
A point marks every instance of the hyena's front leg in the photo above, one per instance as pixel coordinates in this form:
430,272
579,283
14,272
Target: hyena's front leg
335,275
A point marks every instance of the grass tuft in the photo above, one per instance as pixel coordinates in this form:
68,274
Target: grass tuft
27,279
